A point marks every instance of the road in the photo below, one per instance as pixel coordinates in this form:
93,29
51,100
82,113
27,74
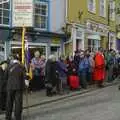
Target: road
102,104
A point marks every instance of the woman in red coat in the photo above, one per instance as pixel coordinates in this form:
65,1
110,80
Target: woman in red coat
99,71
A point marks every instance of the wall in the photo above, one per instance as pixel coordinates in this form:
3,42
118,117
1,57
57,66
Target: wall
75,6
57,15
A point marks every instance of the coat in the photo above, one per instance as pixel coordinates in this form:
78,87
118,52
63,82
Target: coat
99,71
51,73
62,69
3,80
16,77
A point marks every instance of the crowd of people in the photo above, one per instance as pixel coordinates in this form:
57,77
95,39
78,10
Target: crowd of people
88,66
84,68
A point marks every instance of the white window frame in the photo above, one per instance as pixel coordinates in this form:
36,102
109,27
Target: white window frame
92,7
46,4
95,44
2,15
102,8
112,10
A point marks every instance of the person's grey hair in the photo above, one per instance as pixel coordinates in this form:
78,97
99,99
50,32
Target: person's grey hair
51,57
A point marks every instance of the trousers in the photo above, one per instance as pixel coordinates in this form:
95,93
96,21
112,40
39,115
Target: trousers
14,97
2,100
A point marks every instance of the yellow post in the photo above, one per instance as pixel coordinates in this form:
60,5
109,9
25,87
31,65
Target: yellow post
23,45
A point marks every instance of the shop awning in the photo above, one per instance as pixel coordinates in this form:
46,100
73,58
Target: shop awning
94,37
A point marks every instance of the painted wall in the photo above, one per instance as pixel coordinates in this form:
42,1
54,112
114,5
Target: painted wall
57,15
75,6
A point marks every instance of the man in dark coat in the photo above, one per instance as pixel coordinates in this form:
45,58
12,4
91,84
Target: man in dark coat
15,86
51,75
3,81
77,60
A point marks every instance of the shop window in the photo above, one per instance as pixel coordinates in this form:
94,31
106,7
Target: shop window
4,13
102,9
41,15
93,45
92,6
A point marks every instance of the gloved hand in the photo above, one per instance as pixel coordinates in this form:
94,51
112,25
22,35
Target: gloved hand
27,83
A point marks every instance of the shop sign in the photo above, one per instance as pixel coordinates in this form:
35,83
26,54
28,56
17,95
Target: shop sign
22,13
55,41
96,27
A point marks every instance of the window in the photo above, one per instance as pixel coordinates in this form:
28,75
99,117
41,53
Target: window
4,13
41,15
112,10
102,9
93,45
92,6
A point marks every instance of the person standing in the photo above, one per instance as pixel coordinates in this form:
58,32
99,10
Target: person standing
36,68
99,71
42,71
3,81
110,65
62,70
51,75
83,70
77,59
15,86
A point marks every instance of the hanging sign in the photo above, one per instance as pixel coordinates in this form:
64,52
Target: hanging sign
22,13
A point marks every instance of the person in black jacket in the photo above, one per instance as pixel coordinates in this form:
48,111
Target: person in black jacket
3,81
51,75
15,87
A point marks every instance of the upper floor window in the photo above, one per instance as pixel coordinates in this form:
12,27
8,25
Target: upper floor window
92,6
102,8
4,13
41,15
112,10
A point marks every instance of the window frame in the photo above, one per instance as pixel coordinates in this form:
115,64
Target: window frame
102,4
2,15
112,10
40,15
93,10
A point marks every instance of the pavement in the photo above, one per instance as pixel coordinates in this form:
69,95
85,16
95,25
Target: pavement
40,98
101,104
37,99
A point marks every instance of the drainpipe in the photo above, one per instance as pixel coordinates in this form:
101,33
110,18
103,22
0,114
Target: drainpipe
66,11
108,24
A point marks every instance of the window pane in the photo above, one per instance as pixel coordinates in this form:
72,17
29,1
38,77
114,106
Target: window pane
6,5
0,20
41,15
0,12
6,21
0,5
37,21
5,13
37,11
43,12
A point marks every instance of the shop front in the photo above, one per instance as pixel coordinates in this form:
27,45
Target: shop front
76,41
96,35
45,44
94,42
